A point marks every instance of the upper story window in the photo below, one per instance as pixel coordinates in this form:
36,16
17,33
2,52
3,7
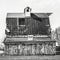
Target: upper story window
21,21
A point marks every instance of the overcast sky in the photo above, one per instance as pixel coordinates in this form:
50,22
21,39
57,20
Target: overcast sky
42,6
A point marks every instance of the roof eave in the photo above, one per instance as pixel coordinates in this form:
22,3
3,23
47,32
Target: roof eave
49,14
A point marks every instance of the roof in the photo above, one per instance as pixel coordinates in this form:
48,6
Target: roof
22,15
25,39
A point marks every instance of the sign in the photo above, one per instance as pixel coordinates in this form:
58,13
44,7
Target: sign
30,37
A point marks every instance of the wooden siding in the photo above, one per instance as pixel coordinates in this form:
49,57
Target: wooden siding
31,26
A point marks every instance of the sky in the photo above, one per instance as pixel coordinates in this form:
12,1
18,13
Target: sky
40,6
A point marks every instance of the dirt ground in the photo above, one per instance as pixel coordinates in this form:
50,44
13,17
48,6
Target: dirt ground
56,57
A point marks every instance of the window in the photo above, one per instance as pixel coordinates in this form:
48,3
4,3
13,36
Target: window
21,21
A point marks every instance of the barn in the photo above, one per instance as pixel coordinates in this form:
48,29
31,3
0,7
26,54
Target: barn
28,34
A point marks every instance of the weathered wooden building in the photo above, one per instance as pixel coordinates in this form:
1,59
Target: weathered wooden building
28,34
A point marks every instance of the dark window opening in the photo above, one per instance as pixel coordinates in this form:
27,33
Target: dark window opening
27,10
21,21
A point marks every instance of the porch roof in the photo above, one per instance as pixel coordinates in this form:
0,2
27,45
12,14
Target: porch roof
25,39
